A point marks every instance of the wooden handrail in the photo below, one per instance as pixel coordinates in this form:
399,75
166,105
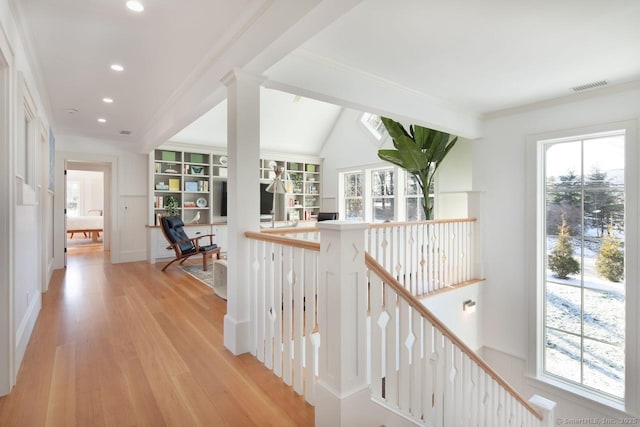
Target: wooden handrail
290,230
372,264
288,241
297,230
432,221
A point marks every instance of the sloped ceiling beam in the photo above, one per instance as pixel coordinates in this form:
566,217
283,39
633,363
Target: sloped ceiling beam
322,78
274,31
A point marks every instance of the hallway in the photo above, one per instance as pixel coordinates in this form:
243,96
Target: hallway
125,345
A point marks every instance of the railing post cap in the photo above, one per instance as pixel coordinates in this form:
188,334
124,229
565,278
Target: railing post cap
542,403
342,225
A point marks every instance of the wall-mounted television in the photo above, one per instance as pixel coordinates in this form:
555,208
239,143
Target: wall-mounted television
223,199
266,200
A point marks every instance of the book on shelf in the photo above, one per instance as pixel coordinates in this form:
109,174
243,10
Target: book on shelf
174,184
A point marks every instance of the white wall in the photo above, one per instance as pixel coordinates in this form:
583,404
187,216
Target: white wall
447,306
22,235
348,145
499,164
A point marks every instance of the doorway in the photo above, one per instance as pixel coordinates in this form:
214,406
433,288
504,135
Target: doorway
86,207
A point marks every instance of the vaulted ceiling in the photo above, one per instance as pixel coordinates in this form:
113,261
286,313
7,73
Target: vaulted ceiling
443,64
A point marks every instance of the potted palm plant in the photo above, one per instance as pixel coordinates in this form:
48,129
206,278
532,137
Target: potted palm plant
419,151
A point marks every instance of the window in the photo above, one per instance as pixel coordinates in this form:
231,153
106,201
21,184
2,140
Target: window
379,194
414,199
383,195
582,250
374,125
26,158
353,196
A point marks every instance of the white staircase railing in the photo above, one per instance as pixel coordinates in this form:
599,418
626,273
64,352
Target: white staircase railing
284,280
421,369
425,256
383,356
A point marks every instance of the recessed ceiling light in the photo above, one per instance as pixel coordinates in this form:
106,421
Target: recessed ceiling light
135,6
101,120
117,67
107,100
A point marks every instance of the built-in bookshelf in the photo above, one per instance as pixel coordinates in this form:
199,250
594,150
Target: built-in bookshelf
183,178
196,181
302,181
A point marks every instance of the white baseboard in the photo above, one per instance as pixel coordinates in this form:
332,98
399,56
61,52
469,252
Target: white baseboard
25,329
132,256
237,335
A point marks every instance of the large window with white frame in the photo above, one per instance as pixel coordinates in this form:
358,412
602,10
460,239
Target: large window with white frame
583,245
383,190
353,196
379,194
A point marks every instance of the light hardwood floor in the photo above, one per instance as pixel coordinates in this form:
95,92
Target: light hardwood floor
128,345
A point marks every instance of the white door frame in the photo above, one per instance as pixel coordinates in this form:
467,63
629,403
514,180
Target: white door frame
7,193
110,168
45,211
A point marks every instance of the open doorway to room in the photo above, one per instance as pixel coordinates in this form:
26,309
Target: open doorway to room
85,208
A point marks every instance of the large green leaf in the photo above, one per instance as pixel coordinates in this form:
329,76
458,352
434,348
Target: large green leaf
421,135
412,157
395,129
391,156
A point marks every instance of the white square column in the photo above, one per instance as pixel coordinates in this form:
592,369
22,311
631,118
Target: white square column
243,200
342,391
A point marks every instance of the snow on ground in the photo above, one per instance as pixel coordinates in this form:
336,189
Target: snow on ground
600,305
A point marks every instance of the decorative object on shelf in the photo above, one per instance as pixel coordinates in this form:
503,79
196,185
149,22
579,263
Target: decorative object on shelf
196,218
169,156
197,170
223,160
162,186
276,187
170,169
201,202
419,151
191,186
197,158
174,184
171,206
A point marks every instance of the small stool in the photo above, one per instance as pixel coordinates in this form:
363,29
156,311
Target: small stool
220,278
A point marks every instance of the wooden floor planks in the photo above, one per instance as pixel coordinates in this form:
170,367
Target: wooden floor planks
129,345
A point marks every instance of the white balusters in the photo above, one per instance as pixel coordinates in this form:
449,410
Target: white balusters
283,310
416,366
424,256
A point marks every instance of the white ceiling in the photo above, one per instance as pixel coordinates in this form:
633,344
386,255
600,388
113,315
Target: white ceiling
288,124
483,56
438,60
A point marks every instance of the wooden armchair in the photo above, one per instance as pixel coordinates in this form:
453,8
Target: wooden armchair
185,246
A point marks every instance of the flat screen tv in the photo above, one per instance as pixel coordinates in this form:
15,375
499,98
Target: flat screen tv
266,200
223,199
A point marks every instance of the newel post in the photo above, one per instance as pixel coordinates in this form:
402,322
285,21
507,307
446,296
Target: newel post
547,408
342,317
